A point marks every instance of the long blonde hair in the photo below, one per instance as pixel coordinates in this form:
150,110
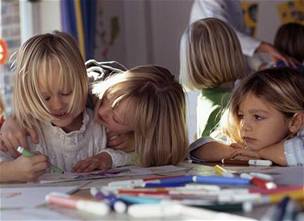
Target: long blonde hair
158,112
213,55
283,88
37,58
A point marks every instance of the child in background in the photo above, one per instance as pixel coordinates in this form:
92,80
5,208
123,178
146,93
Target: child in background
50,94
214,61
149,103
266,120
289,40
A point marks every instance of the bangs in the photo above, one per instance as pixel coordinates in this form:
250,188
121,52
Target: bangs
56,74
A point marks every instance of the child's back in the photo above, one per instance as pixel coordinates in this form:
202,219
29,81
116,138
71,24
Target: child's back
214,61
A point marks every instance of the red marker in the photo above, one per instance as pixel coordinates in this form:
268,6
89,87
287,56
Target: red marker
262,183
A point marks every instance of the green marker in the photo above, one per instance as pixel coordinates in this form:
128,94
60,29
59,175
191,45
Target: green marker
27,153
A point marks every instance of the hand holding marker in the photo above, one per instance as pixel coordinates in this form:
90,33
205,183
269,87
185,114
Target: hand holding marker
27,153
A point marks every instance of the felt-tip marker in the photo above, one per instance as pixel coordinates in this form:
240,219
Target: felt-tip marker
27,153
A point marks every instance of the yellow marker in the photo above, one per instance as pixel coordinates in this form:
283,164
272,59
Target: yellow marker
220,171
277,197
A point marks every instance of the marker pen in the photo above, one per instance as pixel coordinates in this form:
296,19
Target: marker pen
90,206
114,202
265,163
27,153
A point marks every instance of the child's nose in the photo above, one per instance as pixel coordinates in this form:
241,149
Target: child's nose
56,104
245,125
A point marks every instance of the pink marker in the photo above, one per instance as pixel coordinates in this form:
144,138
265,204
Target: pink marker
90,206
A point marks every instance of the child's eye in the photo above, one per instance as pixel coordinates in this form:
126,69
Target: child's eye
258,117
65,93
47,98
240,116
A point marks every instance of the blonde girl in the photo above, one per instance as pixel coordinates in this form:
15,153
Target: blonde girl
50,94
266,119
149,104
214,61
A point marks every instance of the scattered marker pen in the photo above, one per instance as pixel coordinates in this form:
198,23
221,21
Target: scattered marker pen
222,172
114,202
60,199
27,153
265,163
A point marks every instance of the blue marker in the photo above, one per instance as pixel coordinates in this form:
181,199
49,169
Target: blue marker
140,200
220,180
115,203
183,180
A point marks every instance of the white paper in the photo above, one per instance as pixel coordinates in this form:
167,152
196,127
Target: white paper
116,172
27,197
33,214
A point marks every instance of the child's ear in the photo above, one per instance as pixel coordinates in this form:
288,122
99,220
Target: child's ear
296,123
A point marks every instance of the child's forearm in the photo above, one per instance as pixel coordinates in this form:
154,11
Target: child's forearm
213,151
274,153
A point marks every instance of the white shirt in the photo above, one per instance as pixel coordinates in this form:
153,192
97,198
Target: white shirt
66,149
229,11
294,150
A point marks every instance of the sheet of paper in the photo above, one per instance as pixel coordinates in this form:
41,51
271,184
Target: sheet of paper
27,197
116,172
33,214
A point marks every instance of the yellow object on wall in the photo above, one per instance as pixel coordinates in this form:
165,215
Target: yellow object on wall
292,11
250,12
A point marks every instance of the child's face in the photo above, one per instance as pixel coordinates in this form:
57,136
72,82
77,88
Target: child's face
261,125
58,101
115,119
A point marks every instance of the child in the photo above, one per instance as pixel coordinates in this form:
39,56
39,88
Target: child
50,94
147,102
289,40
266,120
214,61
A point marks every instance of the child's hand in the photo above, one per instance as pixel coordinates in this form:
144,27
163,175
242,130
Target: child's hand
100,161
119,141
245,154
30,168
12,136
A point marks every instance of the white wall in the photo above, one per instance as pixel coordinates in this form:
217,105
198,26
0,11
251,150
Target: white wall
39,17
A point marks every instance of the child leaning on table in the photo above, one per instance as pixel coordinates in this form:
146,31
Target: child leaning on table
265,121
50,94
149,104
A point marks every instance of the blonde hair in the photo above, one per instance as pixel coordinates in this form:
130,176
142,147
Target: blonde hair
158,112
38,57
280,87
213,55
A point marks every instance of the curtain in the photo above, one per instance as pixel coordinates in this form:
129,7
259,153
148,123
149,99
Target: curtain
78,18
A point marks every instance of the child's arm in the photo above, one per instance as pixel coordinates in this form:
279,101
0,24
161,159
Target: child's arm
206,149
286,153
23,168
106,159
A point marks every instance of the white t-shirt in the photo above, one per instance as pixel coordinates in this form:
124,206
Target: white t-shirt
229,11
66,149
